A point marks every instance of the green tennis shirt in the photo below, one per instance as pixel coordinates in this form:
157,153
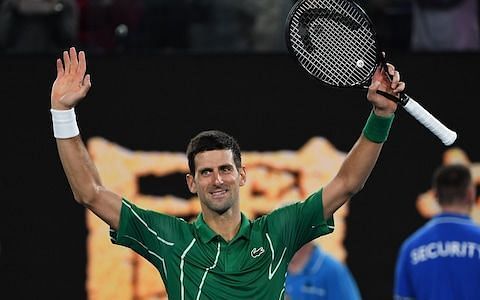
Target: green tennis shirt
197,263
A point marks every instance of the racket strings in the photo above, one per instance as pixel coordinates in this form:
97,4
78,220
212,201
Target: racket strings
337,45
328,61
331,42
347,48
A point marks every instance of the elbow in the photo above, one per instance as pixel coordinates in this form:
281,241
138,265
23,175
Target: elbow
88,196
351,187
356,189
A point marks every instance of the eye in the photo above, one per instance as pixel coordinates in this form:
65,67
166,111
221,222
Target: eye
226,169
205,172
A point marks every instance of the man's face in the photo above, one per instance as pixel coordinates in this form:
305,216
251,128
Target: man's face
216,180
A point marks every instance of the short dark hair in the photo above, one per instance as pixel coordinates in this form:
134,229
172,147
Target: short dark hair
451,183
212,140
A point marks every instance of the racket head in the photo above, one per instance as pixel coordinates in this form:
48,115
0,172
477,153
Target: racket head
334,41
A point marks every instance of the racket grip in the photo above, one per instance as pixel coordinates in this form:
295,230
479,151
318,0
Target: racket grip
446,135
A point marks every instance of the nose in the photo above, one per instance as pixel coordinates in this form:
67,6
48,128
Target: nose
218,178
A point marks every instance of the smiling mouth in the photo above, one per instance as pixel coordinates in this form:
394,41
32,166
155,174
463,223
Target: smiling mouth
218,194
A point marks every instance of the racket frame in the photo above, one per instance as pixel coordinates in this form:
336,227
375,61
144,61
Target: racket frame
379,59
446,135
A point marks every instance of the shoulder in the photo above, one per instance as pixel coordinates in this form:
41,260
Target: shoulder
416,237
147,217
332,263
259,224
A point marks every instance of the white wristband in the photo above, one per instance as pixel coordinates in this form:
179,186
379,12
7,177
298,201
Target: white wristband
64,123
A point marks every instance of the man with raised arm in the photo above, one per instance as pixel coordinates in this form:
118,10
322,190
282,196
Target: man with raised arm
221,255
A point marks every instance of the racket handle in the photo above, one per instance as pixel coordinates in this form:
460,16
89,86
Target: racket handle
446,135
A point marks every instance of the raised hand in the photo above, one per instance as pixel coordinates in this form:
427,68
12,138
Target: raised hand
393,85
71,84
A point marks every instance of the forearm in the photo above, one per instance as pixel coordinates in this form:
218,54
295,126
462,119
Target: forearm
364,154
79,169
360,161
352,175
85,182
358,164
70,86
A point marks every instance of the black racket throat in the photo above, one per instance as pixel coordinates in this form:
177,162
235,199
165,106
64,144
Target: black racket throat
402,100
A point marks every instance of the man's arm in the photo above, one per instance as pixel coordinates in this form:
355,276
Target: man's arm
362,157
71,86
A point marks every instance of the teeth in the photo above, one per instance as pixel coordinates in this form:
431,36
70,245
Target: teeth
218,192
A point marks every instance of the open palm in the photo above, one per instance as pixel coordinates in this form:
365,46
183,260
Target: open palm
71,84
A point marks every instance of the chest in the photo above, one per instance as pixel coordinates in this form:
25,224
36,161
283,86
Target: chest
244,255
241,270
245,260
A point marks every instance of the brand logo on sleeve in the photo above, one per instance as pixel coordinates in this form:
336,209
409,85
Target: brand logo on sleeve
257,252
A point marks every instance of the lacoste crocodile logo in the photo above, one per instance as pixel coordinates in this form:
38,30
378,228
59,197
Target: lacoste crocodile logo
257,252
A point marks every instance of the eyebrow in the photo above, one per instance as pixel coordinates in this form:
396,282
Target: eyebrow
205,169
219,167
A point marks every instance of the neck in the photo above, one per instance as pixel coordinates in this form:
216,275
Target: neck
457,209
226,224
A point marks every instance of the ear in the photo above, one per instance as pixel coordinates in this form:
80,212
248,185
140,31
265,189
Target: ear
191,183
243,175
435,194
472,194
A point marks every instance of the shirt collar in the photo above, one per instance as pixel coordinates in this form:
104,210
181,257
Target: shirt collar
206,234
452,215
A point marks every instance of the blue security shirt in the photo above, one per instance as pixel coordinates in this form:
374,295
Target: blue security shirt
440,261
323,277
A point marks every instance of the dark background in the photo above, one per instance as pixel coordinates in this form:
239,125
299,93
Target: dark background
159,102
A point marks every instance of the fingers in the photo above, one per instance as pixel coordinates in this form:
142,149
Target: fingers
396,86
82,63
66,62
60,70
86,81
86,85
73,64
390,69
400,87
73,60
395,80
395,76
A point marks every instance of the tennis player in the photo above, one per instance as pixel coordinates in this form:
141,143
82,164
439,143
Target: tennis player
222,255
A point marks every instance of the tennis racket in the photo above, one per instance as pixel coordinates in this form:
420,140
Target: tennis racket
334,40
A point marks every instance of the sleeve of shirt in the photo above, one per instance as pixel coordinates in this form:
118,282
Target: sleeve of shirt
402,284
300,222
147,232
